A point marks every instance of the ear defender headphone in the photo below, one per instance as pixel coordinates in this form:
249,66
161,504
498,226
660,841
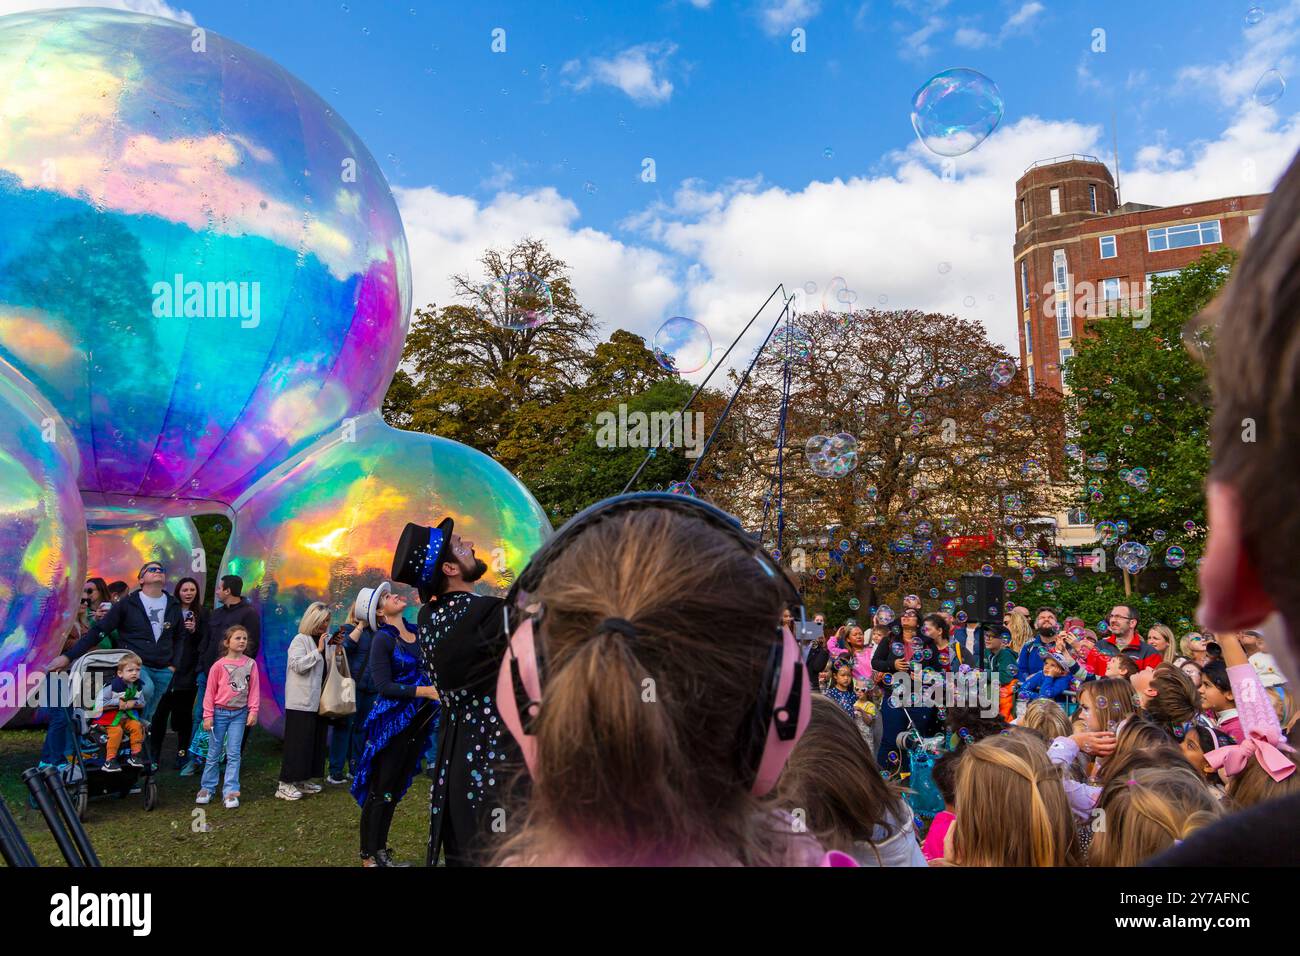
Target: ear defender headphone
782,711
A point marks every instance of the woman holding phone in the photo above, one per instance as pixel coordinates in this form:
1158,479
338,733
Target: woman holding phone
177,702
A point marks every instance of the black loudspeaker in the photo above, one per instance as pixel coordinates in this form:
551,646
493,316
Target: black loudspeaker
981,598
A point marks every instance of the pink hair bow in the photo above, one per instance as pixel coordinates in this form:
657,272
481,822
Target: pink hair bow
1234,757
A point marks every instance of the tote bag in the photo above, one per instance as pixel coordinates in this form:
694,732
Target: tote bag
338,698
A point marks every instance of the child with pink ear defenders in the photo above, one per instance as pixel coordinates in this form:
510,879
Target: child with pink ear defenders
633,761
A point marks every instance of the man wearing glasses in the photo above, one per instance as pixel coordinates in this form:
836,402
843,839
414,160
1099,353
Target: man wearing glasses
1122,636
146,621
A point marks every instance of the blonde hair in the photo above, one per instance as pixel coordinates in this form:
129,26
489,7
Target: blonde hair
130,657
1021,632
1145,812
1171,643
1045,718
1011,805
1185,644
1109,699
316,612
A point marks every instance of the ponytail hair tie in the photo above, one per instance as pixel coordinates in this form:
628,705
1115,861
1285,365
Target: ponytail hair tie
618,625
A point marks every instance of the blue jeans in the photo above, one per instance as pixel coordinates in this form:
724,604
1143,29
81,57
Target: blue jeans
365,700
228,728
59,738
156,680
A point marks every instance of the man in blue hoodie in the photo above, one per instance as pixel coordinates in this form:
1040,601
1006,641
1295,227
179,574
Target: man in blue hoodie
1030,661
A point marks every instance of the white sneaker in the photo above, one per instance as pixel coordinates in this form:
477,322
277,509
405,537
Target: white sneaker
287,791
308,787
232,801
205,796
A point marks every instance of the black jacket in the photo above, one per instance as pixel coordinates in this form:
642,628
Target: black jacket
882,661
818,658
191,644
135,632
222,617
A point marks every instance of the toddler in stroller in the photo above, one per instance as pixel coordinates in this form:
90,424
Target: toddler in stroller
95,706
121,701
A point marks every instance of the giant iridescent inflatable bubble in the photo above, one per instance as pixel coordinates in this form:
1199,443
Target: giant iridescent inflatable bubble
201,266
42,536
120,543
325,524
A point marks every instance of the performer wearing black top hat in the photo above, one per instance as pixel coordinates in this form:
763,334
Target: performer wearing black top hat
462,641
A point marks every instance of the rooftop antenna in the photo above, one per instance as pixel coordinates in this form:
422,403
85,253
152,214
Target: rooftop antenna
1114,132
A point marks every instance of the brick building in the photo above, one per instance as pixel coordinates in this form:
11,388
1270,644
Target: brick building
1078,252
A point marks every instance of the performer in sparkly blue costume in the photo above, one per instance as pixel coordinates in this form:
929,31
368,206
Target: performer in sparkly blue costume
401,725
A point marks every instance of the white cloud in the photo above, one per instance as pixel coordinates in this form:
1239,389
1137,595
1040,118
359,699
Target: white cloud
1022,17
155,8
1268,46
916,45
628,287
638,71
888,234
971,38
1248,157
781,16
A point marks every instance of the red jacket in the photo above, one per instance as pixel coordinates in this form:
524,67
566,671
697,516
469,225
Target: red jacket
1142,653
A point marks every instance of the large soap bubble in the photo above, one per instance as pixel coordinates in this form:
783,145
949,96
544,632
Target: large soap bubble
325,524
956,110
119,543
201,265
42,536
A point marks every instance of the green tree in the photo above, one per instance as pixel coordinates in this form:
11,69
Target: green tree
1138,416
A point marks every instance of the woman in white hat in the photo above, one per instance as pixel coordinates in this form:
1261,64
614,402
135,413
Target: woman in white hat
304,731
402,721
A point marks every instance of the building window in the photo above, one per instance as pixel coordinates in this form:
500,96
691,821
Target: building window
1180,237
1029,337
1055,193
1060,271
1024,212
1061,279
1092,198
1108,247
1024,285
1076,517
1252,223
1066,355
1031,379
1063,328
1110,290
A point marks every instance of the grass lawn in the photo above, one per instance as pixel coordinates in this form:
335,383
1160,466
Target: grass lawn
318,830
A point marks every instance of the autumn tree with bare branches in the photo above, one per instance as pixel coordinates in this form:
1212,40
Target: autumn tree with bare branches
952,453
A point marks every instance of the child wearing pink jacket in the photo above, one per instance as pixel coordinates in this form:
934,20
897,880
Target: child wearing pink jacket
853,647
229,706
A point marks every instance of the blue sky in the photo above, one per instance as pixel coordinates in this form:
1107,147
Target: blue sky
549,137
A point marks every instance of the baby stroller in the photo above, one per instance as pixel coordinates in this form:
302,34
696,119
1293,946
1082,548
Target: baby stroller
85,776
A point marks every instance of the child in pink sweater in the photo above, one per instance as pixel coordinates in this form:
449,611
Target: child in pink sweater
229,706
1262,766
854,647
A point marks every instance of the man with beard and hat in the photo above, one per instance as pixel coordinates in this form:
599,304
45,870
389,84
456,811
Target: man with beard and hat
461,644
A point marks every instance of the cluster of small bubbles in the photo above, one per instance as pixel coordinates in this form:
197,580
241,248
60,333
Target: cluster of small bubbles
1132,556
832,457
